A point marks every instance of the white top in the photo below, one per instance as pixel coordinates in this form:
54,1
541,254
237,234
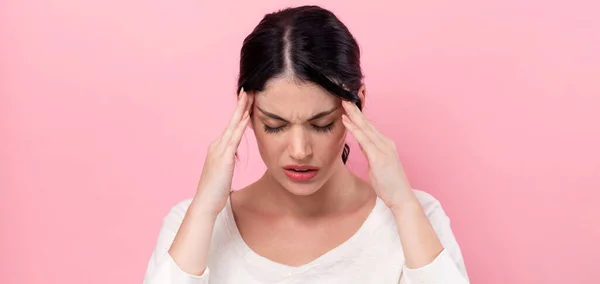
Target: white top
372,255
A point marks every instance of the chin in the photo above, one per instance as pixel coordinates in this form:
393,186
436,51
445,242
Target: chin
301,189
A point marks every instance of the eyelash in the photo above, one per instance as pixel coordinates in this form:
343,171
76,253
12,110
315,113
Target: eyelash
325,128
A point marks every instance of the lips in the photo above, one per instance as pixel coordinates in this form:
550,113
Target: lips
300,172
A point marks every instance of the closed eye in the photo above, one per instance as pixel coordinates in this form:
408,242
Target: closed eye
269,129
278,129
325,128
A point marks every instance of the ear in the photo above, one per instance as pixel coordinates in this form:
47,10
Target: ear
362,93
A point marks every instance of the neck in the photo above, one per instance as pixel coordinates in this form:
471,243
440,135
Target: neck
343,191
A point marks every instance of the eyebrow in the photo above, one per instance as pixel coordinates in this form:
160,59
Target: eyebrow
314,117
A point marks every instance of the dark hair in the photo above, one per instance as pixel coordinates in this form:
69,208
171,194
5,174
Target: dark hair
309,43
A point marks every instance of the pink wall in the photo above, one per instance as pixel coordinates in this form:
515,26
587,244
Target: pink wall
107,108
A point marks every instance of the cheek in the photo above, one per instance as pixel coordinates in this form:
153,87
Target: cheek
269,146
331,145
339,134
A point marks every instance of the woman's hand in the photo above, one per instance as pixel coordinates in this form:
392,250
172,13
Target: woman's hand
214,186
191,244
386,173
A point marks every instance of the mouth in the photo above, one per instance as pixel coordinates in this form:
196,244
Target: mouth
300,172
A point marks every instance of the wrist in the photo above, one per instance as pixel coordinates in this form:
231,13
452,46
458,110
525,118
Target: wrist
403,197
204,206
406,208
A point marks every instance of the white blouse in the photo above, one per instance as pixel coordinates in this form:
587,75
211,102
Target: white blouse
372,255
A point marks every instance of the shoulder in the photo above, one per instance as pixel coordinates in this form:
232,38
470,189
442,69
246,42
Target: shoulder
429,203
174,217
434,211
177,211
181,206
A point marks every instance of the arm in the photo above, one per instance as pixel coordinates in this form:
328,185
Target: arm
431,252
425,235
182,250
192,242
419,241
170,263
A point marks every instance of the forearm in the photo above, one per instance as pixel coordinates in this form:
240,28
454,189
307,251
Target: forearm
420,242
192,242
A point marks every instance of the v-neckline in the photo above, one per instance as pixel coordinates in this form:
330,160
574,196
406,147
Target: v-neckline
278,270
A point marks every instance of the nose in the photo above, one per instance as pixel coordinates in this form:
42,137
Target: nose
300,148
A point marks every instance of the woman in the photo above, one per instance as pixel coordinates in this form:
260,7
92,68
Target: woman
308,219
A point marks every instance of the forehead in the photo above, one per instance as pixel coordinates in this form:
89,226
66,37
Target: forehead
287,94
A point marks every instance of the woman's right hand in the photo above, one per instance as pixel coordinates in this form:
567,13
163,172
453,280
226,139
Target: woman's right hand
191,243
214,186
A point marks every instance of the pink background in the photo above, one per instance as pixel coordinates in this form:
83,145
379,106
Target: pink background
107,108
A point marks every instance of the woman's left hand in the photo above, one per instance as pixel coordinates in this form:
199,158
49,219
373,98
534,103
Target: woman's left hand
386,173
417,236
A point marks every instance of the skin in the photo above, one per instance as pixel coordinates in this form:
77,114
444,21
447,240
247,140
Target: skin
292,222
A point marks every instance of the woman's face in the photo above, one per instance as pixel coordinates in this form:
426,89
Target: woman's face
299,133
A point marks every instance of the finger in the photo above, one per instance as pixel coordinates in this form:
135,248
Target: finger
365,143
359,119
249,104
237,115
236,136
240,108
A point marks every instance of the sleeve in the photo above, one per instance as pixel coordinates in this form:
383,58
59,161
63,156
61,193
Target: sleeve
162,269
448,267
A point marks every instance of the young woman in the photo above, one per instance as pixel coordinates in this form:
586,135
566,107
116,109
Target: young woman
308,219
